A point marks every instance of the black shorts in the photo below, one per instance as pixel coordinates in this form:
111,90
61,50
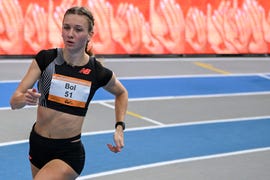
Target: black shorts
42,150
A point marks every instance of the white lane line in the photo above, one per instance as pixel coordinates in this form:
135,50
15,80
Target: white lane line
164,98
173,98
16,61
265,76
164,163
176,76
158,127
134,114
169,98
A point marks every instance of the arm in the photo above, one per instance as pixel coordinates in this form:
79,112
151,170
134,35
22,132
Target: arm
24,94
115,87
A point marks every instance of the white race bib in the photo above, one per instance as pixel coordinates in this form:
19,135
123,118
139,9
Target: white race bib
69,91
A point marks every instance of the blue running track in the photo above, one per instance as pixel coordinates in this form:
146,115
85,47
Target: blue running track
162,87
160,144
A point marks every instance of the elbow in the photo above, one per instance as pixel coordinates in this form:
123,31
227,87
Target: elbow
123,95
17,101
12,104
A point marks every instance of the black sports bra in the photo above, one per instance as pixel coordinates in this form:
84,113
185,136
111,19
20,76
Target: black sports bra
65,88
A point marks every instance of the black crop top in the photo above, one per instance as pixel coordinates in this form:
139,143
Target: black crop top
65,88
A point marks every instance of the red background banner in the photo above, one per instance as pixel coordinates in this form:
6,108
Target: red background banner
142,27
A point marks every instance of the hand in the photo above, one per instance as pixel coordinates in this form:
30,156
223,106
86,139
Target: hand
237,29
102,40
34,32
157,22
172,36
31,97
118,140
244,32
229,25
254,12
118,24
11,32
196,34
128,26
54,26
135,24
151,43
216,32
266,25
214,36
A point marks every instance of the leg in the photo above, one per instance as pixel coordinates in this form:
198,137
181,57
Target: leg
34,170
55,170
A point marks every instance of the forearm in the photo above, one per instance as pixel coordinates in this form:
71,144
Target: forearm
121,103
17,101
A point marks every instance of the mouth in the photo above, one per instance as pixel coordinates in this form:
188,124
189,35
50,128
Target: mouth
70,43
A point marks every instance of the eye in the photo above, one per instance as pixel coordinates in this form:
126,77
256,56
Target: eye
78,29
66,27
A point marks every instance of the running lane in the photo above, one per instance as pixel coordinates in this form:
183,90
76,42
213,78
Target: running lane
146,146
178,86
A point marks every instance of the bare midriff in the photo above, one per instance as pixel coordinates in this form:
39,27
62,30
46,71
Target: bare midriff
57,125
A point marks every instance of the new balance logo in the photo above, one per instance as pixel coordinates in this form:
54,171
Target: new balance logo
85,71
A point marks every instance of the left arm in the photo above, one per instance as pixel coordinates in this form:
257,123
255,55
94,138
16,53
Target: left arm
115,87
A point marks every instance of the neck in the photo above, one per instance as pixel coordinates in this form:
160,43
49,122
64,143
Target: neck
75,59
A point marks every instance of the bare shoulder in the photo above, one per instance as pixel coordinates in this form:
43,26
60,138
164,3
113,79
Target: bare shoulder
114,86
30,77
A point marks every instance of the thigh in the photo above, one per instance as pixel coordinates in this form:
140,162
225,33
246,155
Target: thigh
56,169
34,170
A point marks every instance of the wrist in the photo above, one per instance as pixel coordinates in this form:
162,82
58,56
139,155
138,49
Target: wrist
120,124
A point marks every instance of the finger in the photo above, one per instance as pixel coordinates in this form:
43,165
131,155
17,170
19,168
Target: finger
34,93
209,11
152,6
67,3
50,8
119,144
30,100
113,148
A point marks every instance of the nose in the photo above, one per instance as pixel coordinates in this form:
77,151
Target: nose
70,33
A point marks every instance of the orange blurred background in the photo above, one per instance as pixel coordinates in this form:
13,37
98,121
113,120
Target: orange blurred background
147,27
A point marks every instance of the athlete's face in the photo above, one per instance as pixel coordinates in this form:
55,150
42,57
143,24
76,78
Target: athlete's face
75,31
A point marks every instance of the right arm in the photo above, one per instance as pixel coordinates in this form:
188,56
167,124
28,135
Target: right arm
24,94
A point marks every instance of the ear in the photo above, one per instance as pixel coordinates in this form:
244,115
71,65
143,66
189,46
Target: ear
90,35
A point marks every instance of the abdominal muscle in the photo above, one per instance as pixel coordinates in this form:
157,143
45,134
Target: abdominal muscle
57,125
